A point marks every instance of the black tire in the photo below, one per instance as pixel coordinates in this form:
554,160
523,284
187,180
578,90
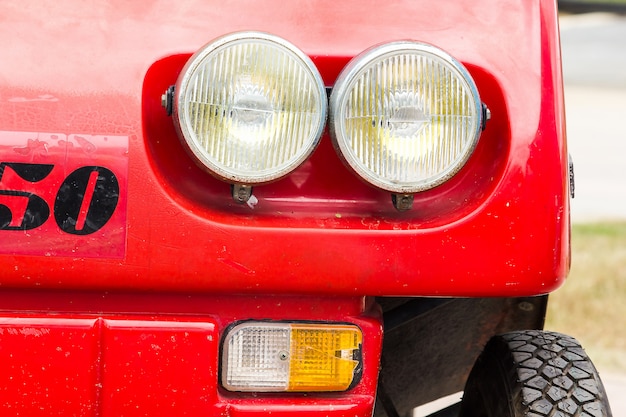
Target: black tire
534,374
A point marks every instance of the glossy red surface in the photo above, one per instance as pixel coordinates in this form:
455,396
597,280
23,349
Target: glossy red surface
122,263
46,166
500,227
136,357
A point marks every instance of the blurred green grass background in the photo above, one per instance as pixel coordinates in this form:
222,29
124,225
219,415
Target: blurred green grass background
591,305
588,6
594,4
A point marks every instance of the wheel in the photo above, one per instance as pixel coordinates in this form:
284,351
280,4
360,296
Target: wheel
534,374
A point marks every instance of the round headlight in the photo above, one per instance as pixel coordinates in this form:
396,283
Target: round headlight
250,107
405,116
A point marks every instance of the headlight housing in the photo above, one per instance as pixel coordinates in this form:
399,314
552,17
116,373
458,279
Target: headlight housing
405,116
249,107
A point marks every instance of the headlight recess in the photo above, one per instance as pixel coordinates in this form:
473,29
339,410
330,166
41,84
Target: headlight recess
250,108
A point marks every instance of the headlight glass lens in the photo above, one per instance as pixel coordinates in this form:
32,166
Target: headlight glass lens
405,116
250,107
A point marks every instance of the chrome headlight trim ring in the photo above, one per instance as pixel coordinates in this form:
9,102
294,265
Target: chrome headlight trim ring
250,107
387,150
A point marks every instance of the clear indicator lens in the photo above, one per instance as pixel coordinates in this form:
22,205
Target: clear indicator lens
405,116
257,357
251,107
290,357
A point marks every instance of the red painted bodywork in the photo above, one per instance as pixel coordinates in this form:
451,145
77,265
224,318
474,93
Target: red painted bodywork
500,227
113,355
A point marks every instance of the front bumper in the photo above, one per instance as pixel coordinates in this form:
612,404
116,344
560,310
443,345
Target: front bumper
138,364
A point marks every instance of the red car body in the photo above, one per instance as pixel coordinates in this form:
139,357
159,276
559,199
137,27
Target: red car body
123,314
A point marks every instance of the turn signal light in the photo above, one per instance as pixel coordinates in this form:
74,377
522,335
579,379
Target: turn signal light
291,357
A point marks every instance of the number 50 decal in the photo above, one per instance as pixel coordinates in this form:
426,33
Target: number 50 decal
84,202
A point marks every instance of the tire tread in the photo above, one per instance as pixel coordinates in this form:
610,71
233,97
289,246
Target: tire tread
565,383
542,374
